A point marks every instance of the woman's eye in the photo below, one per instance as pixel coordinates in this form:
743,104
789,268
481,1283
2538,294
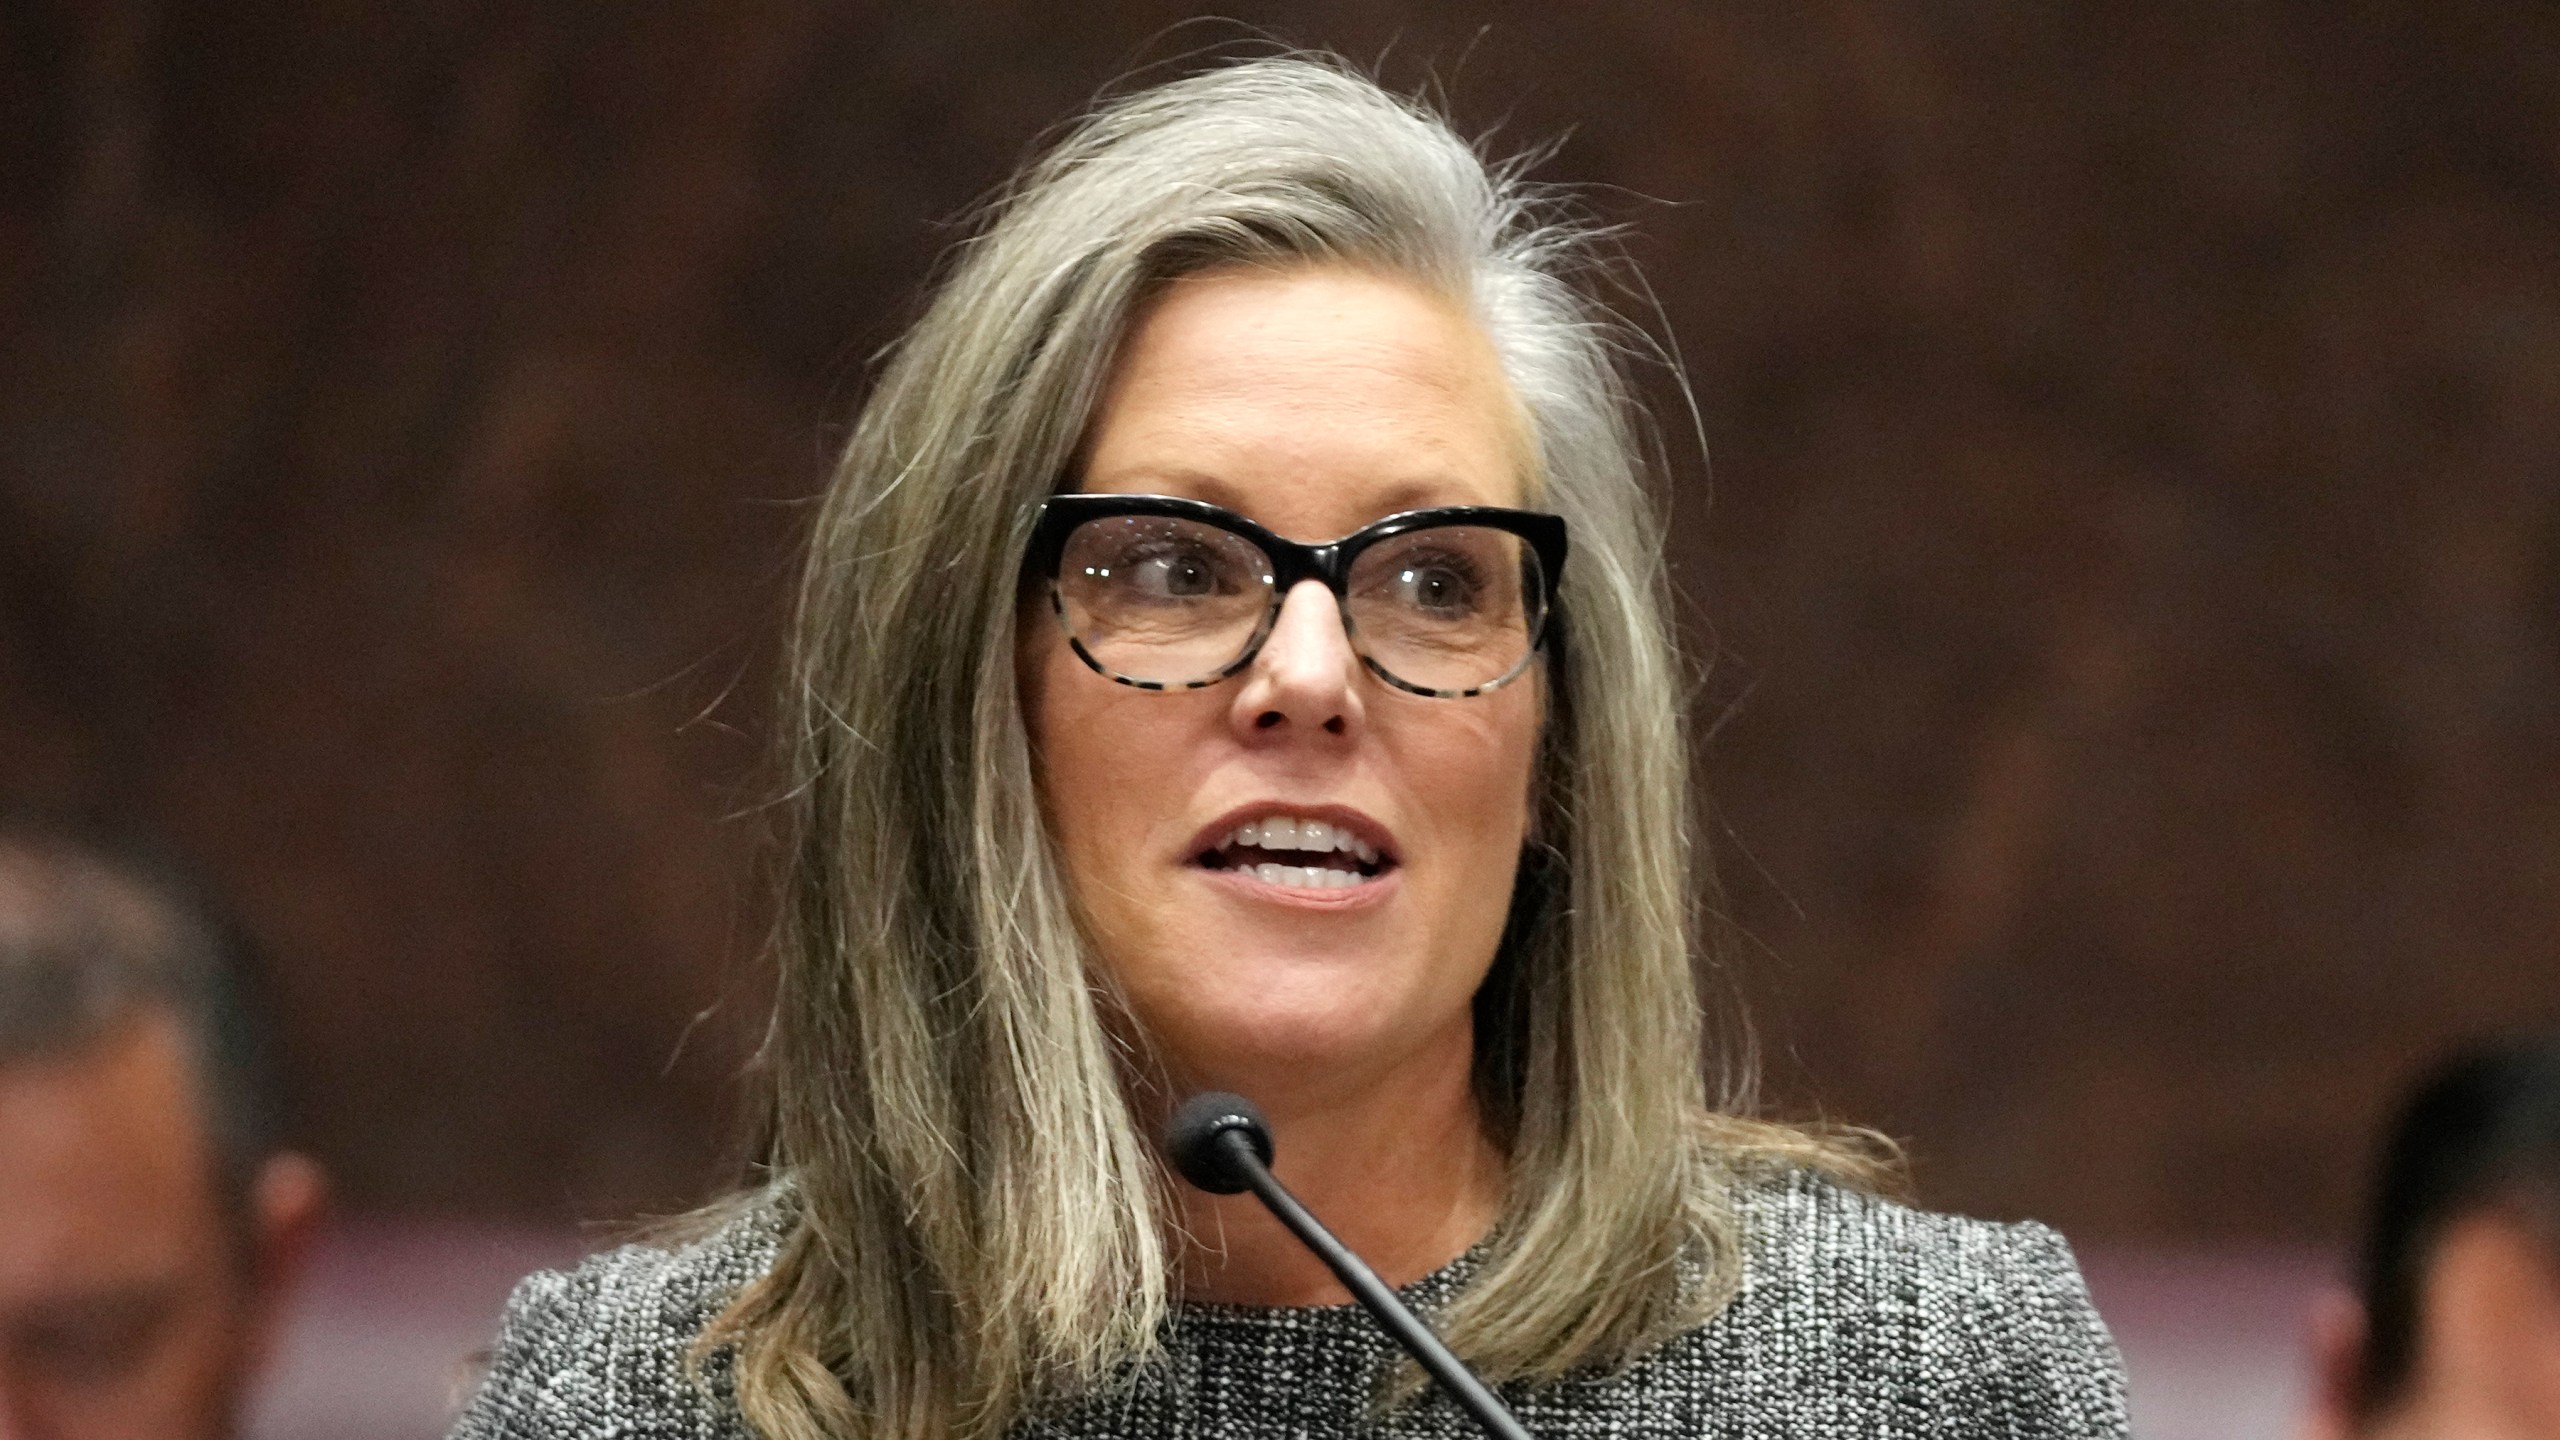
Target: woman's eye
1176,577
1440,590
1437,587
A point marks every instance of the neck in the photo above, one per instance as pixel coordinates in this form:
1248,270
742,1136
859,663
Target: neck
1400,1167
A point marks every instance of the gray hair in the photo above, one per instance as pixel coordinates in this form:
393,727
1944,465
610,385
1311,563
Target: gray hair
94,937
981,1226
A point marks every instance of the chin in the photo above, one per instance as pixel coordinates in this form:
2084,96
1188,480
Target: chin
1246,1034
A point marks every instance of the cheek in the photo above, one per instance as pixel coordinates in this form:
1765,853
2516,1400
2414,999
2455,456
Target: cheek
1101,754
1477,769
1058,715
201,1362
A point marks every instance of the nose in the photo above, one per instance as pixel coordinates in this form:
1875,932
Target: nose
1307,677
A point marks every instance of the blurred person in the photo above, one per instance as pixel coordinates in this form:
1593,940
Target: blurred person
150,1228
2454,1332
1232,656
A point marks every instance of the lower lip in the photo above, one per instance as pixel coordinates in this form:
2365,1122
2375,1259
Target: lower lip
1371,891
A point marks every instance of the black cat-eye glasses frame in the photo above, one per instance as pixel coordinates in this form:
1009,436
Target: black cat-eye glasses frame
1292,562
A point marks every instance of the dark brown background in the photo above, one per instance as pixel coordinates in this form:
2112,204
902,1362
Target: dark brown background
2133,557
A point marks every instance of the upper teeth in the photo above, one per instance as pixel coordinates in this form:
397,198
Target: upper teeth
1286,832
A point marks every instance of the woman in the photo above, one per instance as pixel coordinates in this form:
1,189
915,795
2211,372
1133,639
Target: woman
1148,741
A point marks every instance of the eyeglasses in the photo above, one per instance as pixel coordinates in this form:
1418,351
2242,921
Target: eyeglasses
1170,594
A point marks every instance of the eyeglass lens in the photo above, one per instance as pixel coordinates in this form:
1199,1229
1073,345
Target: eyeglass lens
1167,601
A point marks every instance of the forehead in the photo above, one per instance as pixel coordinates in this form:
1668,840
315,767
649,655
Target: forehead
110,1175
1313,399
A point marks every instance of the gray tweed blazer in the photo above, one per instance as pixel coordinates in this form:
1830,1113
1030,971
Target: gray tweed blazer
1856,1317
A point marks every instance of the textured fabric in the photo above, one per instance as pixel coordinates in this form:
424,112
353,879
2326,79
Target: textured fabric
1856,1317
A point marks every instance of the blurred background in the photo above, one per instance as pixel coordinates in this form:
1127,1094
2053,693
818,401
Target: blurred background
2126,589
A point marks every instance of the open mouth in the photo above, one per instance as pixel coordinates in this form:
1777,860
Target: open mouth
1304,854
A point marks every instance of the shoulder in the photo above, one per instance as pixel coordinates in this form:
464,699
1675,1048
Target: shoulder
1973,1327
1798,1224
601,1350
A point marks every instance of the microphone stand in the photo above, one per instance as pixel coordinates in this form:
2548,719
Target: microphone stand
1220,1143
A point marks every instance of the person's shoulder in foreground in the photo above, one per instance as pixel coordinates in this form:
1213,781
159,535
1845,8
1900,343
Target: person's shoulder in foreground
1855,1316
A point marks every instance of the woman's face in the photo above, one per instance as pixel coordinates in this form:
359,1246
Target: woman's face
1314,401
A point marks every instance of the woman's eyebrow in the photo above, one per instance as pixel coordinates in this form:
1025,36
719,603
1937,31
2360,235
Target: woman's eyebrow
1181,481
1417,492
1424,492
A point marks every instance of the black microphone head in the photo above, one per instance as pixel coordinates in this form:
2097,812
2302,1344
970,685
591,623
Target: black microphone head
1191,1138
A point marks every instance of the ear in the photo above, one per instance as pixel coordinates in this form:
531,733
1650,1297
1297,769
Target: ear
289,1203
2336,1343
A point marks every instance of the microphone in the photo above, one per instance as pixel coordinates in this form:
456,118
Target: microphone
1220,1143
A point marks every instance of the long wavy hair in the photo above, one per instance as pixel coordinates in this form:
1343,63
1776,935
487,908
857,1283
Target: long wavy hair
978,1226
